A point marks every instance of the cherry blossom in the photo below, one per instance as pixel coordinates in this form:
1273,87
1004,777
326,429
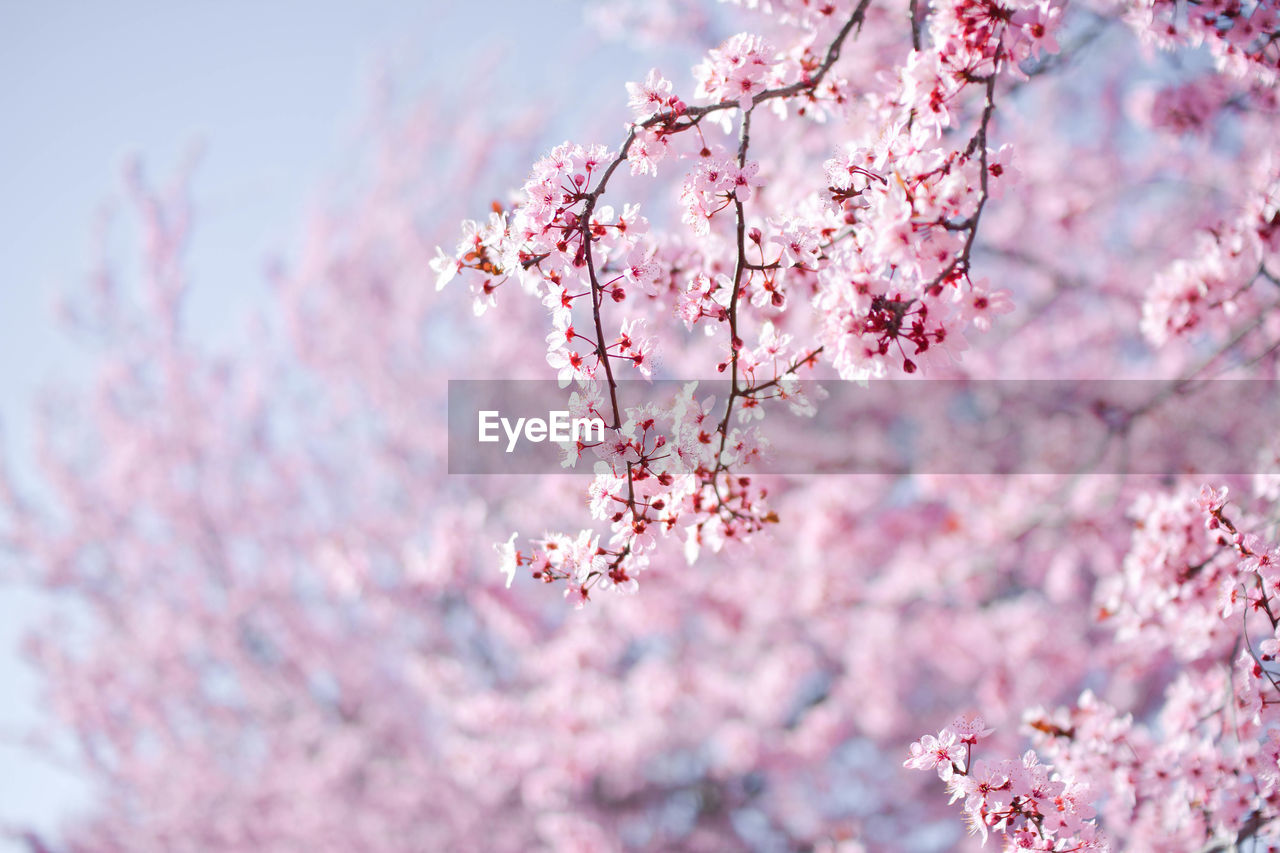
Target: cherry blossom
279,622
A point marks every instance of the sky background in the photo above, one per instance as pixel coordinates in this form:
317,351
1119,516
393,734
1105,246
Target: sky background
272,94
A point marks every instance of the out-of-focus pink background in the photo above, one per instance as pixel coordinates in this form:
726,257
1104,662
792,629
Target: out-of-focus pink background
272,96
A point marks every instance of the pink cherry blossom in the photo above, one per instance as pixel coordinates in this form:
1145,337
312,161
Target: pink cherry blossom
279,618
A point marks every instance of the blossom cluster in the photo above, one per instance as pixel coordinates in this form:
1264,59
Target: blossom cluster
878,245
1206,769
1216,283
1240,36
1020,800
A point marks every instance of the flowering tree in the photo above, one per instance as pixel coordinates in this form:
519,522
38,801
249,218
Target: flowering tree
287,627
